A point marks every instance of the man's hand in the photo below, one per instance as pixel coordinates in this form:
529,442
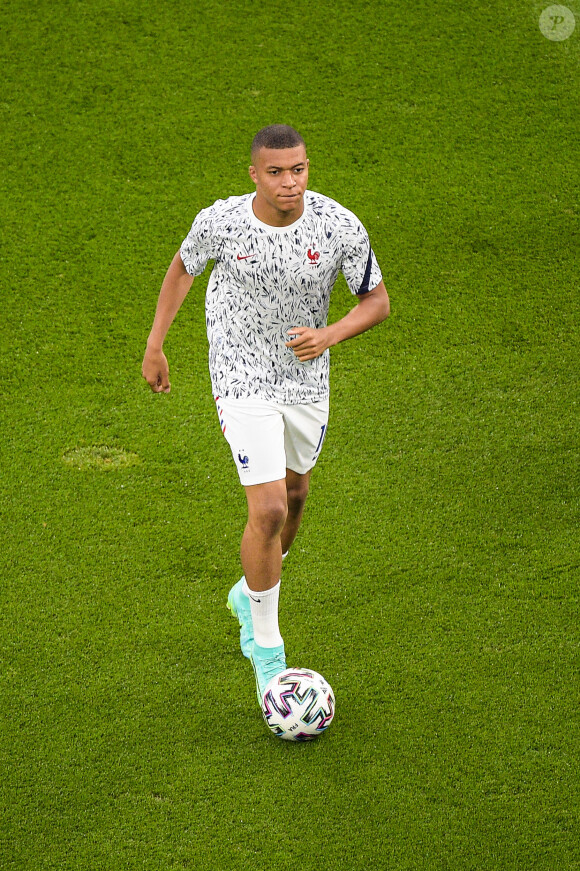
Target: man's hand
309,343
155,371
371,308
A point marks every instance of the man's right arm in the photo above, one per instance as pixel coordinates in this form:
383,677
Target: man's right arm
175,287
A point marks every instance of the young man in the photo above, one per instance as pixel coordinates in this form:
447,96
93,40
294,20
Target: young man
277,255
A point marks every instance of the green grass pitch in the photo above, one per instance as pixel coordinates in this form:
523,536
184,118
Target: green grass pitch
435,579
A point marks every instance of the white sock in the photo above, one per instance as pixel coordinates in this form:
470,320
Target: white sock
264,608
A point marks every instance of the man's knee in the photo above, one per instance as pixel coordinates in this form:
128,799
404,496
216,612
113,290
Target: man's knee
297,491
269,518
267,508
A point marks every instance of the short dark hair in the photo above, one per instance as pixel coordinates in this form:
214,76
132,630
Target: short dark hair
277,136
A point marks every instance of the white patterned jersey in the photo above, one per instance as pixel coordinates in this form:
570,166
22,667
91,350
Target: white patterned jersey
266,280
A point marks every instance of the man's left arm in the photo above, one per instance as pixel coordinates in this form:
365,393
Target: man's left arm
372,308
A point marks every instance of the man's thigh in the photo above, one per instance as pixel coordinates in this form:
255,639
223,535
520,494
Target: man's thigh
254,431
305,428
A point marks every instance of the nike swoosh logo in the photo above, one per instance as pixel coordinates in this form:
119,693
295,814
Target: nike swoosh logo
253,598
245,256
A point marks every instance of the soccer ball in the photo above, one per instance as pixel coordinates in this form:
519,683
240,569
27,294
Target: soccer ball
298,704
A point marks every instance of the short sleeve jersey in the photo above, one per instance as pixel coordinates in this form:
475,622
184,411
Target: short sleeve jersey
266,280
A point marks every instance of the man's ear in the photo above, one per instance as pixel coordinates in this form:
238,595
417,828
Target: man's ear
252,172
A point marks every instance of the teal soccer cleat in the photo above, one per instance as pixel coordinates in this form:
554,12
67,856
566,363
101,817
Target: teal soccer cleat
267,663
239,605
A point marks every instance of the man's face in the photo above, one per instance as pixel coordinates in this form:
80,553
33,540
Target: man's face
281,177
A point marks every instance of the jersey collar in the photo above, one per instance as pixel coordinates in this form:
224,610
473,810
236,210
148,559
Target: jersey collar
270,228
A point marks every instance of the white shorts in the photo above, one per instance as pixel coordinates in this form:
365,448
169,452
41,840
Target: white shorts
267,438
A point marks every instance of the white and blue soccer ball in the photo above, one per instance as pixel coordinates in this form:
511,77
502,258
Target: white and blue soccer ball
298,704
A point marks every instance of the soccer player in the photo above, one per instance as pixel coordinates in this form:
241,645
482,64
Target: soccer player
277,254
